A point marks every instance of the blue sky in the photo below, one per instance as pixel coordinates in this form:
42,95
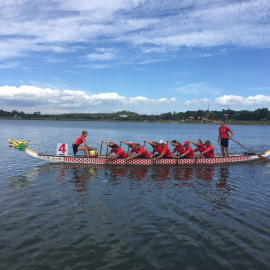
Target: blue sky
147,56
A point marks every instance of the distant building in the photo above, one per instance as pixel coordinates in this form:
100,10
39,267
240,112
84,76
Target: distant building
15,116
123,115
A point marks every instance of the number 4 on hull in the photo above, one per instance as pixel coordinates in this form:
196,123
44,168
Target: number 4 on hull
62,149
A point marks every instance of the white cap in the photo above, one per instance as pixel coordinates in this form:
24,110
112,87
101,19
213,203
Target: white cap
130,142
161,141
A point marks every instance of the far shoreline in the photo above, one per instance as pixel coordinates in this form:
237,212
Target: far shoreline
230,122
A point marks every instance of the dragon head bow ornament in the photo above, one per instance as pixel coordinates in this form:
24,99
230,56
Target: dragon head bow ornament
19,145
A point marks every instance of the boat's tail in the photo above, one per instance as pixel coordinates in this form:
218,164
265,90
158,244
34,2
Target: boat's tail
22,146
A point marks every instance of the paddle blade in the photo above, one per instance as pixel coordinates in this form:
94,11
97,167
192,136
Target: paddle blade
263,158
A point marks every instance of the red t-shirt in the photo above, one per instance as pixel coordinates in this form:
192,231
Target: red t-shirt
224,132
210,151
143,153
120,152
190,153
133,149
180,149
80,140
201,148
158,149
166,151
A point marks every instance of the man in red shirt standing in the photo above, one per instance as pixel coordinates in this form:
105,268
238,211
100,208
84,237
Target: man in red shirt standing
178,147
142,152
189,151
165,151
209,151
80,140
224,137
119,153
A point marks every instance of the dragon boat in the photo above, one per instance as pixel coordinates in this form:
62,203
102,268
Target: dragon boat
78,159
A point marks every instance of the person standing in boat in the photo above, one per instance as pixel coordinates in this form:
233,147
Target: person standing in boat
132,146
224,137
80,140
200,147
142,152
166,153
209,151
189,151
119,153
179,148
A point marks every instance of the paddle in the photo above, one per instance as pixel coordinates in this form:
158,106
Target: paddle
260,156
100,148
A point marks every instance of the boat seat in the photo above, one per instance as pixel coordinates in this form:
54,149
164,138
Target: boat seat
73,150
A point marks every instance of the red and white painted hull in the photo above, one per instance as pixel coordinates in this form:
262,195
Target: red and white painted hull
142,161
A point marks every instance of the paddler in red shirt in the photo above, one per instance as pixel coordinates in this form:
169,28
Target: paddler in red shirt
209,151
142,152
119,153
224,137
166,153
179,148
189,151
80,140
156,148
132,146
200,146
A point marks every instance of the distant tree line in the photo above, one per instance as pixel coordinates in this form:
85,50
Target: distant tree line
262,114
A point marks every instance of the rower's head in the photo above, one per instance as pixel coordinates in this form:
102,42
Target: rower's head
130,145
207,143
174,141
186,145
161,142
138,146
84,133
115,147
111,144
222,123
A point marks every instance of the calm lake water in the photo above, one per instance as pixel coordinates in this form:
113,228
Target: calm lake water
131,217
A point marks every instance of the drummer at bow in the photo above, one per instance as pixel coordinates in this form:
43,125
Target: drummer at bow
80,140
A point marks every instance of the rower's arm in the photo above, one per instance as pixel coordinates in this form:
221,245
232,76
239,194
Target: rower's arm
160,156
132,157
107,154
108,144
178,143
148,142
183,155
127,143
200,141
174,144
196,144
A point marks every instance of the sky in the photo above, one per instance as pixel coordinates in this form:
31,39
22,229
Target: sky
145,56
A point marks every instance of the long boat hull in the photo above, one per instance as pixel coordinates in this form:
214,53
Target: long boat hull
142,161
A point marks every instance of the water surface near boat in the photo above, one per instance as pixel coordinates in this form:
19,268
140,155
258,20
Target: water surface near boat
65,216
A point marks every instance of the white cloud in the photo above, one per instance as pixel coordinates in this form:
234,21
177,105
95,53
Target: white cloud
231,100
51,101
198,89
103,55
202,101
9,65
151,25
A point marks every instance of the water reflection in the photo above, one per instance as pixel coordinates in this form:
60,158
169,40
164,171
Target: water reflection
200,178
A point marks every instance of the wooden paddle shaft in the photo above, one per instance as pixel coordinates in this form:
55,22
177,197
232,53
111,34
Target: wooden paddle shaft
244,146
259,155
